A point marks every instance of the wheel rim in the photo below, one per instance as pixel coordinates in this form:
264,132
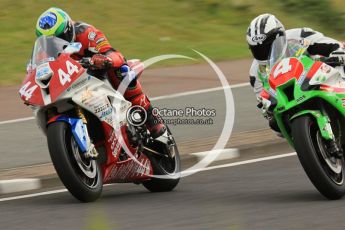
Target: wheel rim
168,159
87,168
169,164
333,163
332,166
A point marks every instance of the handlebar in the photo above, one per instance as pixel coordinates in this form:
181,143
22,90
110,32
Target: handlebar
332,61
85,62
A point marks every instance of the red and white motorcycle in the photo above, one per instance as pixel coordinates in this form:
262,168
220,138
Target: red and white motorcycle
94,135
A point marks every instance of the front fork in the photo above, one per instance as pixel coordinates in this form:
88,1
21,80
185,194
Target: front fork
335,150
79,130
91,151
324,124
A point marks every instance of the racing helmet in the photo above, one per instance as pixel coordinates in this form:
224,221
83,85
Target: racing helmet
261,33
55,22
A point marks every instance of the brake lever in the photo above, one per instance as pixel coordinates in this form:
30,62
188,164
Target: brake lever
85,62
332,61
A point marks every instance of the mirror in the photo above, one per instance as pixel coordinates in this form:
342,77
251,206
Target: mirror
73,47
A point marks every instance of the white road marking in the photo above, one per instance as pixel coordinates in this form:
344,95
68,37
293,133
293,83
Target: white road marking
33,195
175,95
198,92
200,170
25,167
225,154
19,185
16,120
243,162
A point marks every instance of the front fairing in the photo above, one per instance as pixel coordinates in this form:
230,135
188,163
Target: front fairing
50,70
63,72
302,88
29,91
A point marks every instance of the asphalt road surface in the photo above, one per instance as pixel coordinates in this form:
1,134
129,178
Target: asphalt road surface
272,194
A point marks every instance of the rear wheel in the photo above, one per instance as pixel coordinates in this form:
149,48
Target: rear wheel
325,171
82,177
166,166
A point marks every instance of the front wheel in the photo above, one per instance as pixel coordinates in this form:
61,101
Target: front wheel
82,177
165,164
326,172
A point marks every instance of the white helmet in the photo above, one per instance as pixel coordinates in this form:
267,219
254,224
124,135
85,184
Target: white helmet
261,33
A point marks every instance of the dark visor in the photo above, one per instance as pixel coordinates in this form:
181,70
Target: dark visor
261,52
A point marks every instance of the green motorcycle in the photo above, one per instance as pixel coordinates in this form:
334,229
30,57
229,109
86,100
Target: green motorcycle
307,100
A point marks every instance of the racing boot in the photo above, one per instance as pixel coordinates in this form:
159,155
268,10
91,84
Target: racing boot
153,123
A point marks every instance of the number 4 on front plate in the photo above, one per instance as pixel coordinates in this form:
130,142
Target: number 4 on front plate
27,92
66,77
282,68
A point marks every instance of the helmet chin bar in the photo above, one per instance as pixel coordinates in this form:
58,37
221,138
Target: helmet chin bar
73,31
68,34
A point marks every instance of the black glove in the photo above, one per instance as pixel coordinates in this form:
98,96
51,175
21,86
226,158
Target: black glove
336,58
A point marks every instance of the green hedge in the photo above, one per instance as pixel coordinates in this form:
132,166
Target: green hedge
320,11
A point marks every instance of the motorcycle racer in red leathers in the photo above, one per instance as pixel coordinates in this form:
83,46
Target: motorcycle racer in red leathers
104,58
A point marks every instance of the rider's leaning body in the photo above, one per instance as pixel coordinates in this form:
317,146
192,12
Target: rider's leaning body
104,58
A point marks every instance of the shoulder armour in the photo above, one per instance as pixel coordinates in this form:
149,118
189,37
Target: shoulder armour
80,27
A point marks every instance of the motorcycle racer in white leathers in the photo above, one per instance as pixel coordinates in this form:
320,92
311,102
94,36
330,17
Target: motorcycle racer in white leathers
262,32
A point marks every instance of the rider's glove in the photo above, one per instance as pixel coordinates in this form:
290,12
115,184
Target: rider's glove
100,61
264,106
260,106
125,71
339,55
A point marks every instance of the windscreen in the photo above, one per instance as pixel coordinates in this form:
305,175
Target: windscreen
282,48
47,49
